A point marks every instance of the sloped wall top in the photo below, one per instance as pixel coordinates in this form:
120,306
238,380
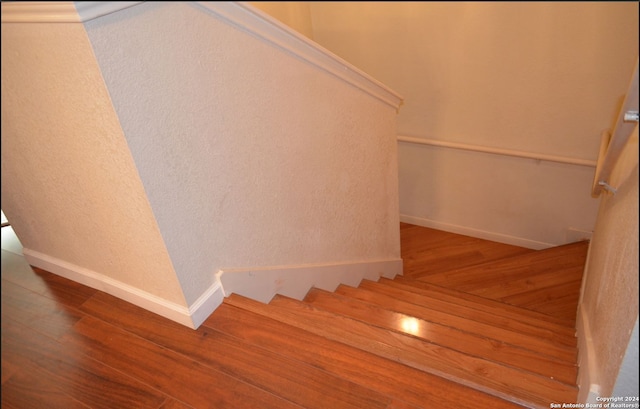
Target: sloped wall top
240,14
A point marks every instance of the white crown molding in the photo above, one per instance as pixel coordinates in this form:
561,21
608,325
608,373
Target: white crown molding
89,10
60,11
266,28
238,14
39,12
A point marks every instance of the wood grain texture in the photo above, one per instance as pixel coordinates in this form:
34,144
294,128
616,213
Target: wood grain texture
471,324
509,347
386,376
428,251
485,375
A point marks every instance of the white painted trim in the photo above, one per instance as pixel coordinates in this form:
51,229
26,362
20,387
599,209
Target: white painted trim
39,12
481,234
89,10
269,30
587,381
60,11
263,283
627,379
206,304
191,317
241,15
498,151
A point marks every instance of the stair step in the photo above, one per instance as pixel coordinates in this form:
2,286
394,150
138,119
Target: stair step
536,280
540,345
518,386
385,376
427,251
476,308
506,351
520,267
559,300
516,313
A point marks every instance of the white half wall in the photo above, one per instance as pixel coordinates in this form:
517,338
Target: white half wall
255,146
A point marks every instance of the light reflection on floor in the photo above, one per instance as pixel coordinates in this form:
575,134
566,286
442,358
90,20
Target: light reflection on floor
410,325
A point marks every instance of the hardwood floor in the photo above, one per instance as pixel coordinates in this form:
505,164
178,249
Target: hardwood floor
471,324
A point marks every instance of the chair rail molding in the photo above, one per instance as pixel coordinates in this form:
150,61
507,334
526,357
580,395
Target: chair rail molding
497,151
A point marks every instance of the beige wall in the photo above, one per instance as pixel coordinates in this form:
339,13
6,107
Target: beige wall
294,14
69,184
536,77
609,303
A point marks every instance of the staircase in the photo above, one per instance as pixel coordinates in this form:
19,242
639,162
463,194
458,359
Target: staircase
470,324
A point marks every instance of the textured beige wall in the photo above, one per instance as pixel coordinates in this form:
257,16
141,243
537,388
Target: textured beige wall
295,14
69,184
610,287
538,77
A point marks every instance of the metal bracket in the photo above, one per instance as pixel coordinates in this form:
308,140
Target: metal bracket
631,116
608,187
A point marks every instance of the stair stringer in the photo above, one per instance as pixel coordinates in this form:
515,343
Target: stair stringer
263,283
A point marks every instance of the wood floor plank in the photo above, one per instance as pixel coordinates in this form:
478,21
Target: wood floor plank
16,270
512,312
501,350
28,390
9,368
504,382
174,404
69,346
85,380
484,312
42,314
358,366
542,346
562,306
295,381
544,295
427,251
503,289
177,375
512,268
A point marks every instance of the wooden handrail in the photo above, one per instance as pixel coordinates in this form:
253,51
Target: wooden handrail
613,142
497,151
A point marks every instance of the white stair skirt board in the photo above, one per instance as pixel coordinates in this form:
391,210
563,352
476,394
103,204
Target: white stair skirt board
261,284
588,384
191,317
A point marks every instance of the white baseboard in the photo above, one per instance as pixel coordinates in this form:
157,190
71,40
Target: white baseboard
587,381
191,317
262,283
481,234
